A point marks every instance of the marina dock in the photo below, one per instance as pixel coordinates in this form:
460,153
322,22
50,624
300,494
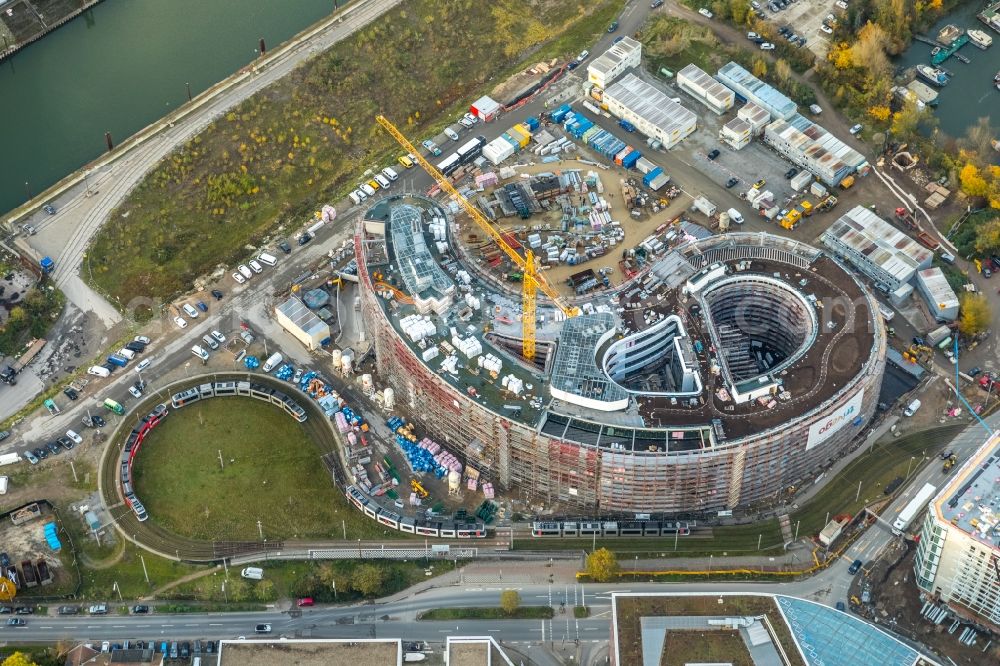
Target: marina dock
951,50
991,16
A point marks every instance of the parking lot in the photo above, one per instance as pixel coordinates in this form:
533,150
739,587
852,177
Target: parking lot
805,17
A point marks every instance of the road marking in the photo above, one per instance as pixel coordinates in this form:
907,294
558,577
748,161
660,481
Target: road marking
215,624
45,627
591,628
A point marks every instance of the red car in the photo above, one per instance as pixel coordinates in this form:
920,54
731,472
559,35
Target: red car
305,601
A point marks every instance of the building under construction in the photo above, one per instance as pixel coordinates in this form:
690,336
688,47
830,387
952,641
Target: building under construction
726,370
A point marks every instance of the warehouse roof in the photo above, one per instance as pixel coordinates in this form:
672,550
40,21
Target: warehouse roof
303,318
754,114
937,287
816,143
615,55
748,85
737,126
705,85
650,103
882,245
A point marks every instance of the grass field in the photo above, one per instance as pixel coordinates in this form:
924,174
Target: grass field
305,140
888,459
272,473
705,647
522,613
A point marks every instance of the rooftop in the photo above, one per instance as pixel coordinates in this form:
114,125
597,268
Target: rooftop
650,103
880,243
615,55
971,500
937,286
816,143
303,317
762,629
312,652
775,102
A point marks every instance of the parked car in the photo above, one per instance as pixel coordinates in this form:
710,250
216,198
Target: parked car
67,443
471,118
655,4
767,46
135,392
855,567
25,610
713,154
70,393
217,294
54,448
752,36
40,452
827,29
98,421
613,26
4,434
706,13
219,337
74,437
841,4
305,601
136,347
305,238
201,306
32,458
181,322
141,338
857,129
16,622
975,372
189,310
69,610
791,173
244,271
140,610
262,629
98,609
255,266
732,182
583,56
841,607
49,209
285,247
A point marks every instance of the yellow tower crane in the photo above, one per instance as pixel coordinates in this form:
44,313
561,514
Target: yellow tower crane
532,280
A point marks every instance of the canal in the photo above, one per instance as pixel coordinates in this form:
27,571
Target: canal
970,94
119,67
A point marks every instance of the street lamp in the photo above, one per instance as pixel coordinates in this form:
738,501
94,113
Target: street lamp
909,466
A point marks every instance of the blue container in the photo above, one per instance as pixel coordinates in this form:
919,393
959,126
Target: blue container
532,123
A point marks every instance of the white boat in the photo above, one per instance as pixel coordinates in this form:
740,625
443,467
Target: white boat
980,38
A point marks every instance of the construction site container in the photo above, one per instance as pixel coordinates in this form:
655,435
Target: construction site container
591,107
560,113
498,150
817,189
705,206
621,155
644,165
521,136
532,124
801,180
655,179
629,160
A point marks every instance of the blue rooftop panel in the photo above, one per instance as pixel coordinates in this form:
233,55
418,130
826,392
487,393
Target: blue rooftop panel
829,637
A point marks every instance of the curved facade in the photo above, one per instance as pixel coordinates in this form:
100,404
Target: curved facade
663,453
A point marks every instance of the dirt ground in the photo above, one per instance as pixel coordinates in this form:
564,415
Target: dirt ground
897,603
611,178
27,542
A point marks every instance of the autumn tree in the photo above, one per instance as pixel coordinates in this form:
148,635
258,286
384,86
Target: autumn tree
369,580
988,237
783,70
909,120
510,601
975,314
759,67
602,565
18,659
972,181
868,50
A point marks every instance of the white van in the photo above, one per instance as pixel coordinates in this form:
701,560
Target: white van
271,363
734,216
367,189
189,310
912,408
390,173
199,352
98,371
451,134
382,180
267,259
244,271
253,573
355,199
210,341
127,353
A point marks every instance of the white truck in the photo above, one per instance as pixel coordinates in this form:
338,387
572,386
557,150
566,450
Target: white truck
912,408
910,511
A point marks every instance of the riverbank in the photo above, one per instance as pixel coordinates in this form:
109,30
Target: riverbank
22,24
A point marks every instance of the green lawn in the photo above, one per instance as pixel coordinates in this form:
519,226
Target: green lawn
888,459
304,141
272,473
522,613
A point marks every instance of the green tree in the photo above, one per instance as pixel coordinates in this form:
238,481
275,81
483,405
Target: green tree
975,314
510,601
369,580
237,589
602,565
18,659
264,590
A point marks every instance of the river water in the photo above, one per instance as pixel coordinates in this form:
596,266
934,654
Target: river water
970,94
119,67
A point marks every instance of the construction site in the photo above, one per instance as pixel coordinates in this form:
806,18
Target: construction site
569,354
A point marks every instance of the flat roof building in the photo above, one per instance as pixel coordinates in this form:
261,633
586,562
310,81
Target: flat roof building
696,82
300,321
958,556
877,249
736,133
755,116
752,89
650,109
938,294
810,146
612,63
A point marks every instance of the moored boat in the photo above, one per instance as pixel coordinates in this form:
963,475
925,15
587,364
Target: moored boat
932,75
980,38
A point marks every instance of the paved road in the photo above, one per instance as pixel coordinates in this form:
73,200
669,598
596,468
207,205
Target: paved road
66,236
